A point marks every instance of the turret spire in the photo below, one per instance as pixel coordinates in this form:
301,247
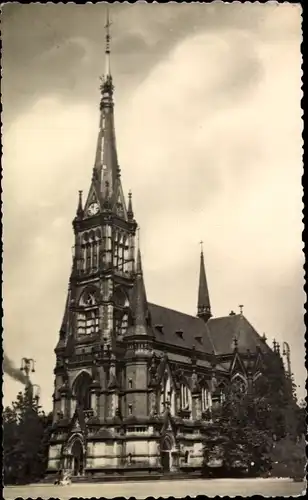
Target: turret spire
204,306
79,212
130,212
139,301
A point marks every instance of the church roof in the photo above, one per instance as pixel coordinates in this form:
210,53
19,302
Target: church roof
218,334
224,330
180,329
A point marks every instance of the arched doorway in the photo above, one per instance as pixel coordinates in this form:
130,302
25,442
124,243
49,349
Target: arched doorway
165,454
77,455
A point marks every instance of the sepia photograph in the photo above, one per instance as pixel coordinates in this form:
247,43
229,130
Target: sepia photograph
153,300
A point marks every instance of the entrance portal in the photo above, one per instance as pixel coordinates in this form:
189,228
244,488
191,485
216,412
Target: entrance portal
77,453
165,454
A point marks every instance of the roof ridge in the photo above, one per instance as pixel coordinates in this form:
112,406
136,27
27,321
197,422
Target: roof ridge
228,316
175,310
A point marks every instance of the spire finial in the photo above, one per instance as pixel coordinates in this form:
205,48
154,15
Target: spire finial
201,246
79,207
108,38
241,309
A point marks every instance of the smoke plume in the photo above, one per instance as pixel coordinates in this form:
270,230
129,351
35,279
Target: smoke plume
9,368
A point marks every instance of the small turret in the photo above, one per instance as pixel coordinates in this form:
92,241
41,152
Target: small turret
79,212
130,213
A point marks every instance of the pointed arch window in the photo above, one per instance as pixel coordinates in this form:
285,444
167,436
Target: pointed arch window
91,242
88,315
219,395
185,397
120,251
239,384
167,395
82,392
205,398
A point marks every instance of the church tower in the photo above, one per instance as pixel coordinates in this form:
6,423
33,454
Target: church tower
104,229
97,310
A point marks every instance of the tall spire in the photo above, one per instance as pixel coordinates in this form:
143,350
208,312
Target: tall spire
106,181
204,306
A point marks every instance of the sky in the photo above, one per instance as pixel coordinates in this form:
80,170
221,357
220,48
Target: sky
208,125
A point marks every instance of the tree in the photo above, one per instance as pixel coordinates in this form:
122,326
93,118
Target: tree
247,439
250,423
25,430
288,458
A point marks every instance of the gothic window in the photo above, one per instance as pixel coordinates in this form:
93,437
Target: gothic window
239,385
121,305
90,250
185,397
88,316
88,257
205,398
95,254
120,252
219,395
167,395
81,391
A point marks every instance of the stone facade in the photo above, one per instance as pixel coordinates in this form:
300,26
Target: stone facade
135,383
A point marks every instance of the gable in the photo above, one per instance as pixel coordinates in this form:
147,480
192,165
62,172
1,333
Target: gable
119,206
237,366
77,423
93,197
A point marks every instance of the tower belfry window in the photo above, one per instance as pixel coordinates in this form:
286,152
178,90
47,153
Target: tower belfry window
88,316
90,250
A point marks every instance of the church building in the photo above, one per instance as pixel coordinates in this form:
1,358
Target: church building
135,382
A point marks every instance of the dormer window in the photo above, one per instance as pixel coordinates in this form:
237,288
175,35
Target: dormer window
199,339
159,328
179,333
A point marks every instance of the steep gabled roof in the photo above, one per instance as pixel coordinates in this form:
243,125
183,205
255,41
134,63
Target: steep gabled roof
224,330
172,321
218,334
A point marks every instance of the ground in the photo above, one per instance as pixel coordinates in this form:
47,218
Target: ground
144,489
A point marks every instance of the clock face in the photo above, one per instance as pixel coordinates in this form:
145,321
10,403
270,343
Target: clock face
93,209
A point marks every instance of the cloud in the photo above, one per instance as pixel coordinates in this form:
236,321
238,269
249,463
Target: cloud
209,137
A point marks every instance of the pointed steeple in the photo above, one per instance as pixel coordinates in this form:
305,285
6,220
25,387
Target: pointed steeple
139,302
106,179
204,306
